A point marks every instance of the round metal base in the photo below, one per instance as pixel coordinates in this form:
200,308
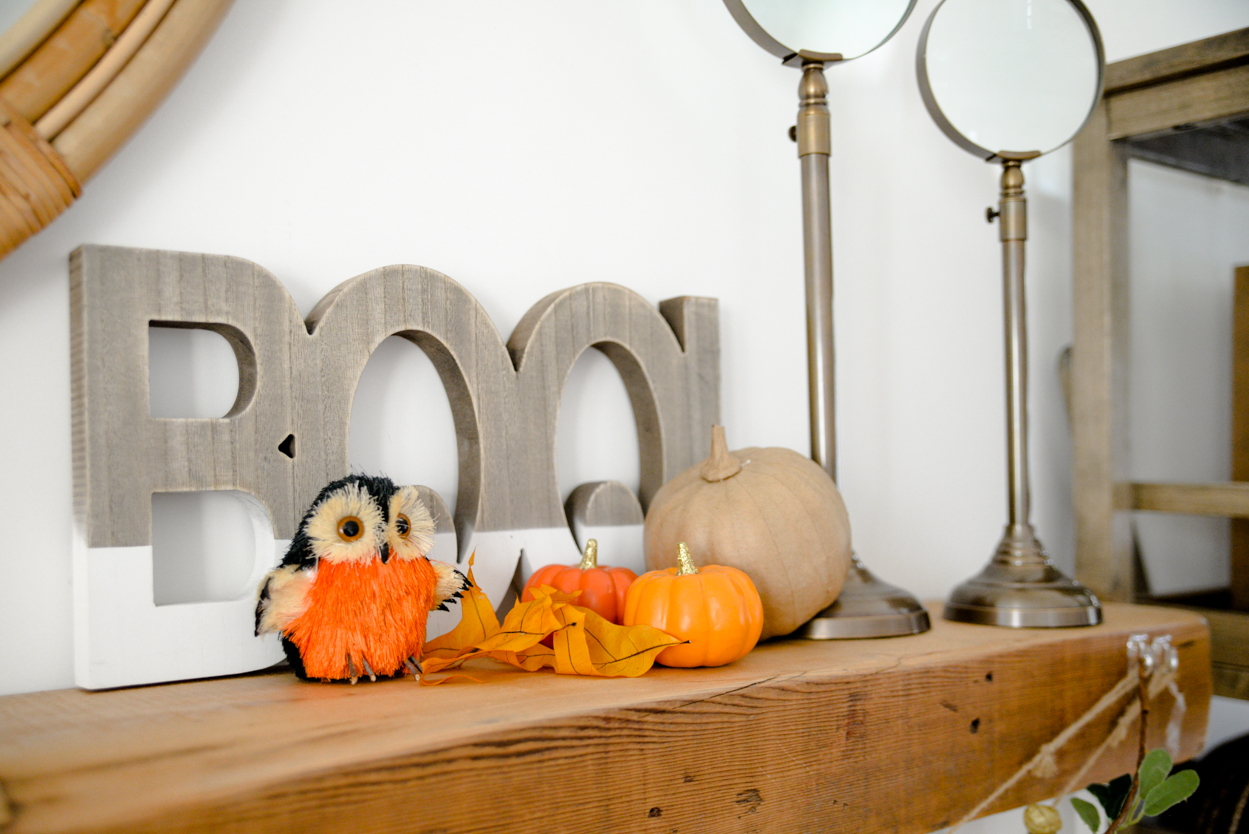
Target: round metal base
867,607
1077,615
1019,588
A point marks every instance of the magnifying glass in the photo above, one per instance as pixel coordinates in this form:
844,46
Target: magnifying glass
809,34
1010,80
1010,75
827,30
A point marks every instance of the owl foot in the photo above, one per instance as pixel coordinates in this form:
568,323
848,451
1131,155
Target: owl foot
414,666
351,670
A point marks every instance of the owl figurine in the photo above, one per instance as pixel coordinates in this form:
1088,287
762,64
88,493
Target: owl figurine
352,594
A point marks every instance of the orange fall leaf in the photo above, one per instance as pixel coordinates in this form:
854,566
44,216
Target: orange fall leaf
584,642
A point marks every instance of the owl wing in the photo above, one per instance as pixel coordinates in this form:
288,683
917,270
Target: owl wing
450,586
283,597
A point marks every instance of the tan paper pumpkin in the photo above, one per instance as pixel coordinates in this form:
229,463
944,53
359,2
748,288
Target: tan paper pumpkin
771,513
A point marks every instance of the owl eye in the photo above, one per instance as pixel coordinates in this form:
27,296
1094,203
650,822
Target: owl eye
350,528
402,525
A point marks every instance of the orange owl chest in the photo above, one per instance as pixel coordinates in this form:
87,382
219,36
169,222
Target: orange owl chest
358,613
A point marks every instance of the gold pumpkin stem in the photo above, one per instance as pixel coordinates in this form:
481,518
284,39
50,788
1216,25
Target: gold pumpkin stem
590,559
685,565
719,465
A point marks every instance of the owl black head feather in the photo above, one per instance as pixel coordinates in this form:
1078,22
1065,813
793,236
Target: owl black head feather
360,517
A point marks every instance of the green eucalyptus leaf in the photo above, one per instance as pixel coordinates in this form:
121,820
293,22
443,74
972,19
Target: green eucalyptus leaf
1154,769
1175,789
1088,813
1111,796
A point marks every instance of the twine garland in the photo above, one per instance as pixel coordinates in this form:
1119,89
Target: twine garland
1159,658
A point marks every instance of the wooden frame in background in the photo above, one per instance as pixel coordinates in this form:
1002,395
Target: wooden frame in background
1186,107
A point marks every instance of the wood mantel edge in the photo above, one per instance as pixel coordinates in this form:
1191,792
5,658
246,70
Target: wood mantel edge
812,731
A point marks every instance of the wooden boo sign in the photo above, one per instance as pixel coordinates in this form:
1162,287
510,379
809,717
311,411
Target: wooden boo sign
286,435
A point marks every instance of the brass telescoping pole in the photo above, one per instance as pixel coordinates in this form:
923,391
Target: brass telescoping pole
866,607
1020,538
814,147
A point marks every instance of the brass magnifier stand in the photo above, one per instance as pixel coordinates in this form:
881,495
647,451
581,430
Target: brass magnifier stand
866,607
1019,587
1005,74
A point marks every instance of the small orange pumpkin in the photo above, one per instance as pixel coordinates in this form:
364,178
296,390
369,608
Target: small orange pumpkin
716,608
602,588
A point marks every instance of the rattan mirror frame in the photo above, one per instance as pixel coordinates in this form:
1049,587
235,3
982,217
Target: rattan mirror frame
77,77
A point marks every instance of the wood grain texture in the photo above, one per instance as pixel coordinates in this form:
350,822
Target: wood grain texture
1228,500
899,734
669,364
1227,49
1240,432
1104,553
122,454
300,378
1204,98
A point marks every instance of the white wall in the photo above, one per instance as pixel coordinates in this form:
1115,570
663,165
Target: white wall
521,148
1180,384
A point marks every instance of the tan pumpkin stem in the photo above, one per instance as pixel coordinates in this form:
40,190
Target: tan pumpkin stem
590,559
685,565
719,465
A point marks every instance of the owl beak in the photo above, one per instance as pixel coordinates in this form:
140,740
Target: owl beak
385,553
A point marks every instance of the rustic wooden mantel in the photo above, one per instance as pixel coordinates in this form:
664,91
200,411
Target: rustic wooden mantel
902,734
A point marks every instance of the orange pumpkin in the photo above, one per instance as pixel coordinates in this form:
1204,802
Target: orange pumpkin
602,588
716,608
